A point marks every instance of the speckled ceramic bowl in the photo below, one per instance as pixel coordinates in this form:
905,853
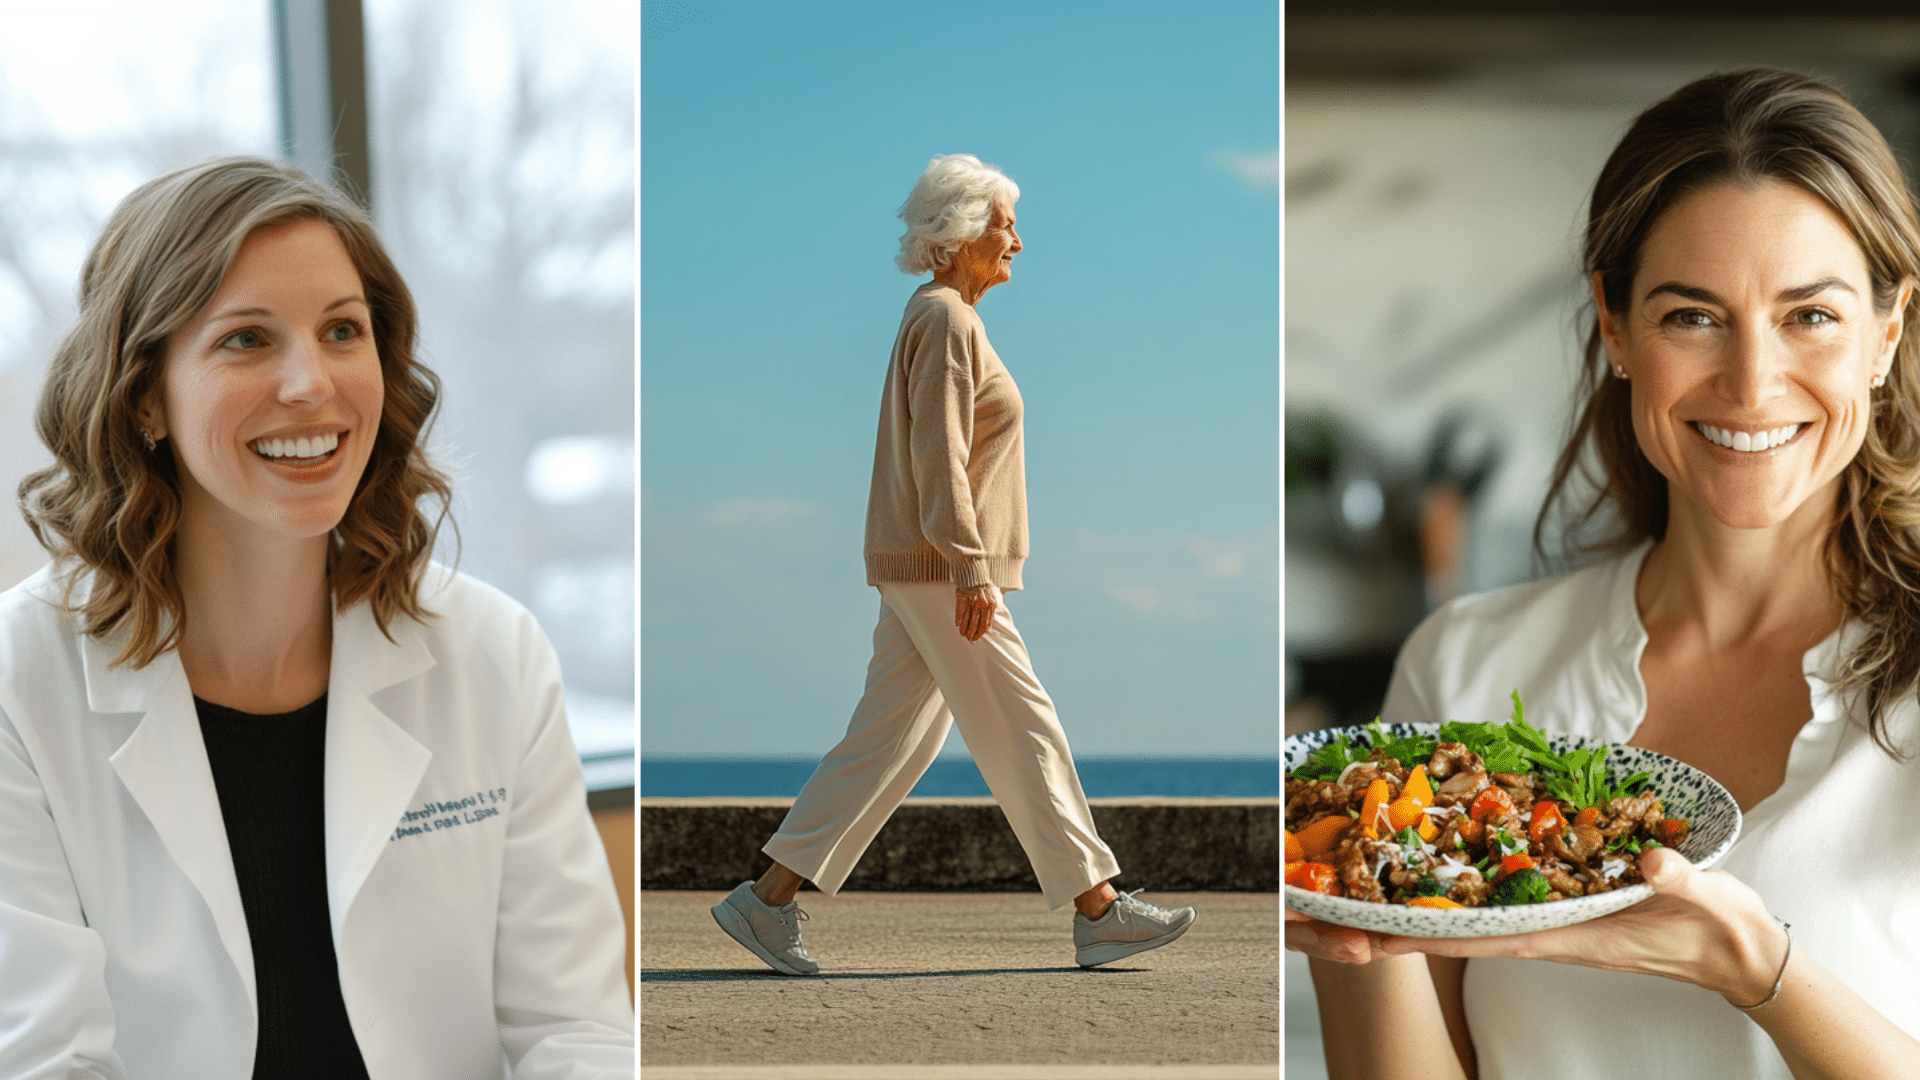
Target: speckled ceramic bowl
1684,792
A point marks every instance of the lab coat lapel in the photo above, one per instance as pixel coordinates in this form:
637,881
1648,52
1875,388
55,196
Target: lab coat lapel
164,767
373,765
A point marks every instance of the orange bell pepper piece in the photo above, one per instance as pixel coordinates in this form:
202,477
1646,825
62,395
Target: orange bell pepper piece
1373,809
1418,788
1427,830
1415,796
1314,877
1320,837
1433,902
1295,853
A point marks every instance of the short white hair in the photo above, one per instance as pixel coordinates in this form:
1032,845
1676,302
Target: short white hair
950,205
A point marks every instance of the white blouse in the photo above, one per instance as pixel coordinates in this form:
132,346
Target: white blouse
1834,851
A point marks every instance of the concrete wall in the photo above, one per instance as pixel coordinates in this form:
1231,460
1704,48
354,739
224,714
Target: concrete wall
965,844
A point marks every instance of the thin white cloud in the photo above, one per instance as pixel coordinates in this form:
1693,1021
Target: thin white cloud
757,510
1261,169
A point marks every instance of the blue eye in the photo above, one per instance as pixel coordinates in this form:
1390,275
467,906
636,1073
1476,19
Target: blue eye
243,339
1692,318
1815,317
345,331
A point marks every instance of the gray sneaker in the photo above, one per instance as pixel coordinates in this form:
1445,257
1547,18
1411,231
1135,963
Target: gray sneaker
1130,926
770,933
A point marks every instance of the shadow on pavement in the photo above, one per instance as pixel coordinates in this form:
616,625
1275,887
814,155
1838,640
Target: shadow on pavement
743,974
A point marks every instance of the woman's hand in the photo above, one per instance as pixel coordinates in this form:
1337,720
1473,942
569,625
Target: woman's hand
973,610
1701,927
1325,941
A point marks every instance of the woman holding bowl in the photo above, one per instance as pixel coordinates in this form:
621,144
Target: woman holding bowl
278,796
1751,394
946,536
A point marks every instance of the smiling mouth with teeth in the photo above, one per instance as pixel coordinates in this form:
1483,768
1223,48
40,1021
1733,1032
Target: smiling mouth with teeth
1747,442
297,451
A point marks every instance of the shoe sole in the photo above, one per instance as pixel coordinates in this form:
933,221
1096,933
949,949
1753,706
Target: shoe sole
1107,952
737,928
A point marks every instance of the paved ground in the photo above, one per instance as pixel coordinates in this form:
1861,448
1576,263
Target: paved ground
914,985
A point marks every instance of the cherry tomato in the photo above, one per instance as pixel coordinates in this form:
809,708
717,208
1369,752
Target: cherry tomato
1546,818
1492,803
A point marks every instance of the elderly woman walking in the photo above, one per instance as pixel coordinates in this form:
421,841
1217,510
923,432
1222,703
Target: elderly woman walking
946,536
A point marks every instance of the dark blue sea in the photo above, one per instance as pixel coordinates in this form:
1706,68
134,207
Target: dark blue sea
1244,778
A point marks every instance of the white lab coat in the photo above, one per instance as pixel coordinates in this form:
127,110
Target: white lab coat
487,943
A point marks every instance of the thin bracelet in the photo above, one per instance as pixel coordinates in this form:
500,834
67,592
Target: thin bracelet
1778,979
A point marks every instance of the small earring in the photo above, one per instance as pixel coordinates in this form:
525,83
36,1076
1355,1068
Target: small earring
1619,372
1878,381
148,436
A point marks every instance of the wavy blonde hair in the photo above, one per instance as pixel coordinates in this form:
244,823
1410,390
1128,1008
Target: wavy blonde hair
1743,127
111,507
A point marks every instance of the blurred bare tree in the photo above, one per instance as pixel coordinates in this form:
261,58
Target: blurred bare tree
504,179
503,142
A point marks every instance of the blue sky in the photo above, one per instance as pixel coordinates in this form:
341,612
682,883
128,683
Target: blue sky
1141,324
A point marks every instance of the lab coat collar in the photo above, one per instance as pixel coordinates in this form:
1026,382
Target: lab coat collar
372,767
163,764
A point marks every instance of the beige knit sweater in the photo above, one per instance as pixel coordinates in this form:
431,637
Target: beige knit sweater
949,497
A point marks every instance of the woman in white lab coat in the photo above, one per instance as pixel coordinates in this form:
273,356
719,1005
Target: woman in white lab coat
277,796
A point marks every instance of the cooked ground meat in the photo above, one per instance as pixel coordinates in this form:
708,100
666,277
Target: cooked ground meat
1449,839
1625,812
1361,776
1389,766
1350,864
1518,786
1560,879
1405,876
1449,757
1310,800
1584,841
1469,889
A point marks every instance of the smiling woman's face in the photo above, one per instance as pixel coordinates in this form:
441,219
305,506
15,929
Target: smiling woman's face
270,397
1752,342
988,258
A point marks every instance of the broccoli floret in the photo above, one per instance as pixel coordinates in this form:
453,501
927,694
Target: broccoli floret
1527,886
1426,886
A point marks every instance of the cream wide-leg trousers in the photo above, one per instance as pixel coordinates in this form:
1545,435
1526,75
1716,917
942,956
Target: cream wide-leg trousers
925,677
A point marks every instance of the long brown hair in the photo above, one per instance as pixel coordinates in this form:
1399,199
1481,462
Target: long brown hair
1743,127
111,506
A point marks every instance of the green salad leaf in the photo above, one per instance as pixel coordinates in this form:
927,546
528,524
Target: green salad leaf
1328,762
1409,750
1580,777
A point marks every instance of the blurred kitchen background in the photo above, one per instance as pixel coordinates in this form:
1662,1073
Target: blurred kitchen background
1438,161
500,135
